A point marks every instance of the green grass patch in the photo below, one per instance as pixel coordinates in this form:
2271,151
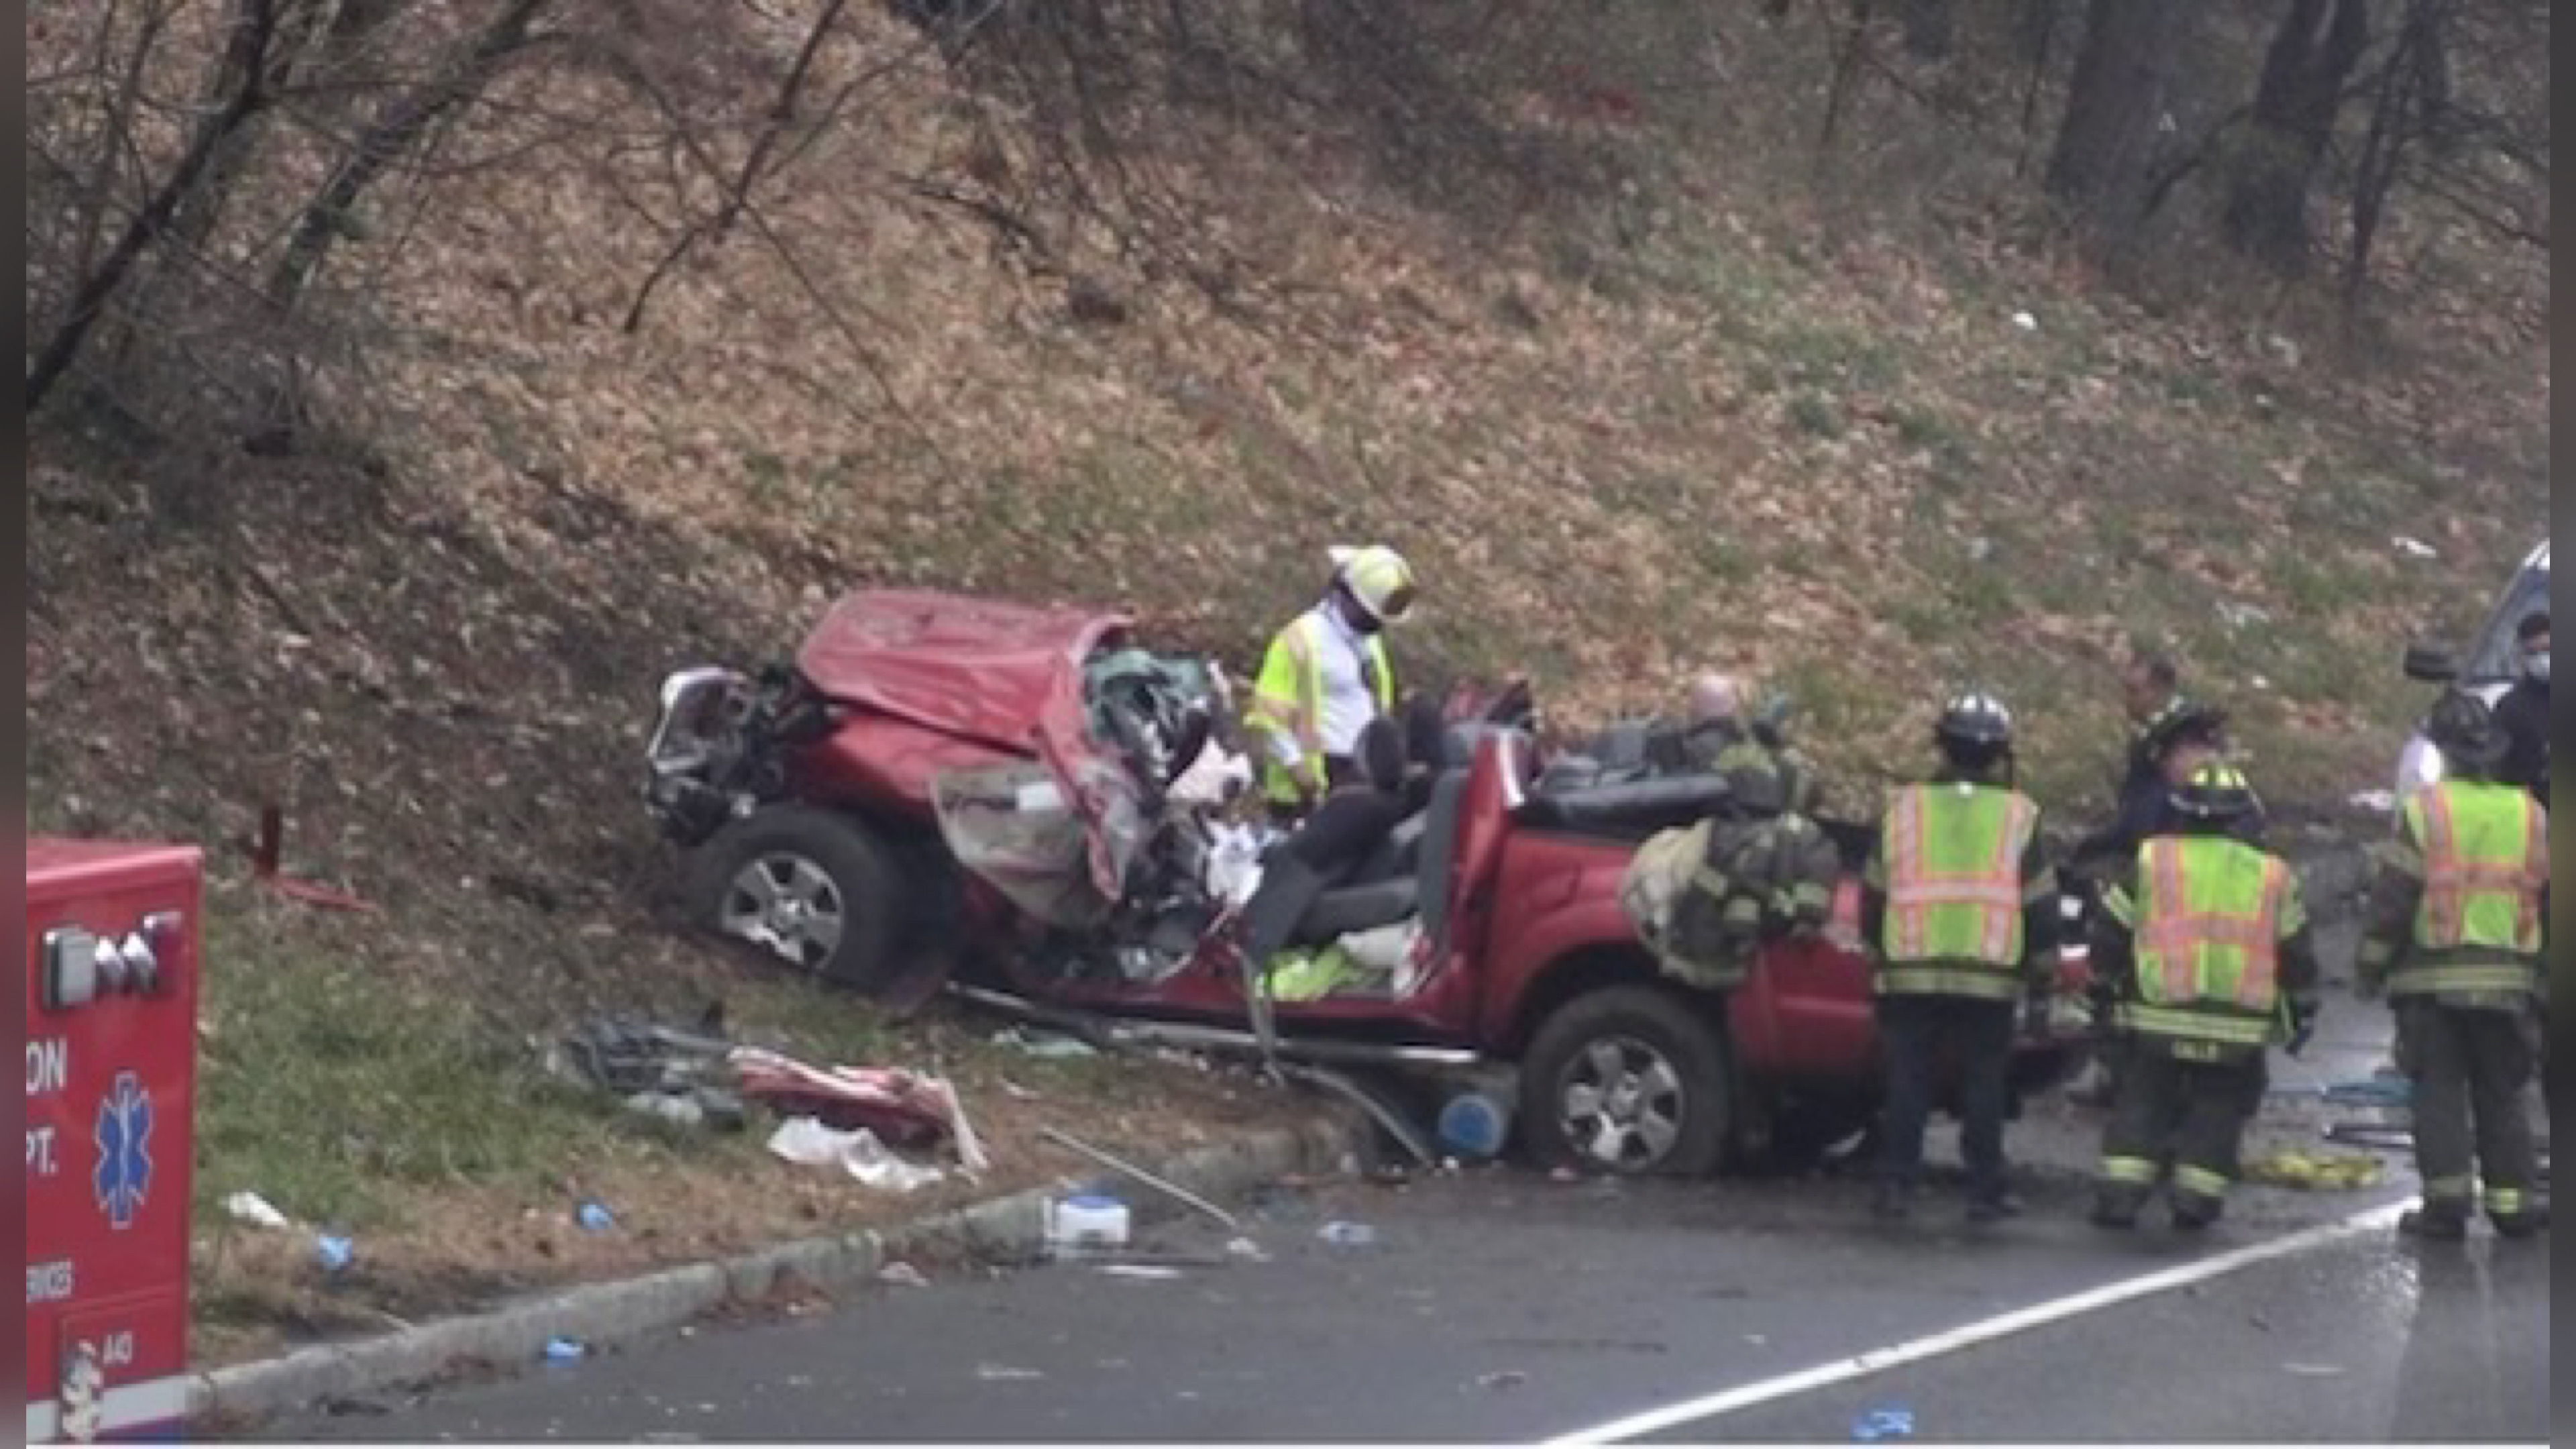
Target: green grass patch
1817,415
332,1091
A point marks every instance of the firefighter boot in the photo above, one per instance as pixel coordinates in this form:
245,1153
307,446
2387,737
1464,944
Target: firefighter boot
2516,1213
2116,1205
2438,1220
2195,1212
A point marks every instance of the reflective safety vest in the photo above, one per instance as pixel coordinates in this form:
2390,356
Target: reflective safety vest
1953,854
2208,920
1288,701
2478,928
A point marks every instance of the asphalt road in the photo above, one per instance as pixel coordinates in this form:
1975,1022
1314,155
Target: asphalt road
1500,1306
1513,1309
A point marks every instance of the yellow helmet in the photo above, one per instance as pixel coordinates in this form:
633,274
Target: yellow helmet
1379,580
2217,791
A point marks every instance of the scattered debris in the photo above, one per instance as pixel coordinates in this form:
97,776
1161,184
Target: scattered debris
592,1218
1180,1194
565,1350
1475,1124
2379,1136
251,1208
902,1275
2314,1370
904,1109
1246,1249
334,1253
679,1077
2414,547
2314,1174
1150,1272
1089,1223
1502,1379
1758,1340
1044,1045
806,1142
994,1373
2373,1092
2025,321
2238,616
1882,1424
1348,1235
1563,1174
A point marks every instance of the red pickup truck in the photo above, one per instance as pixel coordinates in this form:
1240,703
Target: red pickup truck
957,785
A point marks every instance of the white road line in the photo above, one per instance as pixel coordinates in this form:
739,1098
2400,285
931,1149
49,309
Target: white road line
2021,1320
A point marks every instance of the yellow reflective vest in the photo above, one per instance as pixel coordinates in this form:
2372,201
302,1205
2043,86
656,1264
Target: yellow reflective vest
1288,702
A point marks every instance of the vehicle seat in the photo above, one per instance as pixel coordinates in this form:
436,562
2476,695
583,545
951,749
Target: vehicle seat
1628,811
1438,857
1338,913
1365,906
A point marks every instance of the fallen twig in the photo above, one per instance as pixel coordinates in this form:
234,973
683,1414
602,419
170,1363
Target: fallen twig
1180,1194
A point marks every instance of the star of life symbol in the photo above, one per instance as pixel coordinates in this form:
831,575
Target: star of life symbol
124,1175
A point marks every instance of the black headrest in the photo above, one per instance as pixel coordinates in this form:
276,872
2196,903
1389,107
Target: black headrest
1380,754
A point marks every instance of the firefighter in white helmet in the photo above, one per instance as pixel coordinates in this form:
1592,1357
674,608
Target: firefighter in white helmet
1325,677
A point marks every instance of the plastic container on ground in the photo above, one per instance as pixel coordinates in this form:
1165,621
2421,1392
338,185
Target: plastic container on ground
1475,1125
1091,1223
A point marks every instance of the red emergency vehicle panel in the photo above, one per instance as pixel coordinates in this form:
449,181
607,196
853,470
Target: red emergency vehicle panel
111,990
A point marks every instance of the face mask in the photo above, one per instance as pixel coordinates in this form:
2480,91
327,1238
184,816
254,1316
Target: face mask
2535,667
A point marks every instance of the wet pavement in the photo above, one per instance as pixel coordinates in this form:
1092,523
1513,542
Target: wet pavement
1496,1305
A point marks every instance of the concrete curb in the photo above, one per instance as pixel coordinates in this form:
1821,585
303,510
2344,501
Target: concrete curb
609,1314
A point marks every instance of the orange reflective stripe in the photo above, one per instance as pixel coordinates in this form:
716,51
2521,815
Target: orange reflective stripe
1910,874
1918,889
2165,932
2257,984
2445,914
2003,882
2450,881
2175,933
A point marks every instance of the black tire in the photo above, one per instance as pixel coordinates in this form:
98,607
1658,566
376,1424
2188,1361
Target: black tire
823,855
1635,1025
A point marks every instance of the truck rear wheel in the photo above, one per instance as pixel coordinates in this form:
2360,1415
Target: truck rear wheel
813,888
1630,1080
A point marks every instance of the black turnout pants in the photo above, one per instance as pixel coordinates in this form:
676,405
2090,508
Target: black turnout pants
2190,1114
1921,1033
2469,1067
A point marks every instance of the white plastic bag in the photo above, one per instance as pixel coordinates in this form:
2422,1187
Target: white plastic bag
808,1143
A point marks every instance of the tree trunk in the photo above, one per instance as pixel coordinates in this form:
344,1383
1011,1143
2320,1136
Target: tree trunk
245,55
2393,116
387,139
2113,107
2295,108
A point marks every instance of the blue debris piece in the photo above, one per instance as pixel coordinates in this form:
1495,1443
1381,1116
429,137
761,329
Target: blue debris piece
594,1218
2376,1092
565,1350
334,1253
1879,1425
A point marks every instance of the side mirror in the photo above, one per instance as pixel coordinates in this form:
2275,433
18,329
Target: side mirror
2431,664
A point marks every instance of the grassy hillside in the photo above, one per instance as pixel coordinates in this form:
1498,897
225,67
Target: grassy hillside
1866,426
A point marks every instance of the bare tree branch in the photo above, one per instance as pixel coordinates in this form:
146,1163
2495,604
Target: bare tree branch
245,55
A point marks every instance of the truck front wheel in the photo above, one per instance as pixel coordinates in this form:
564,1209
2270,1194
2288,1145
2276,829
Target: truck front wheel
1630,1080
811,887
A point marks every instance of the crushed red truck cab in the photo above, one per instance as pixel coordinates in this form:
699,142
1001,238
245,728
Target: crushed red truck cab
111,999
